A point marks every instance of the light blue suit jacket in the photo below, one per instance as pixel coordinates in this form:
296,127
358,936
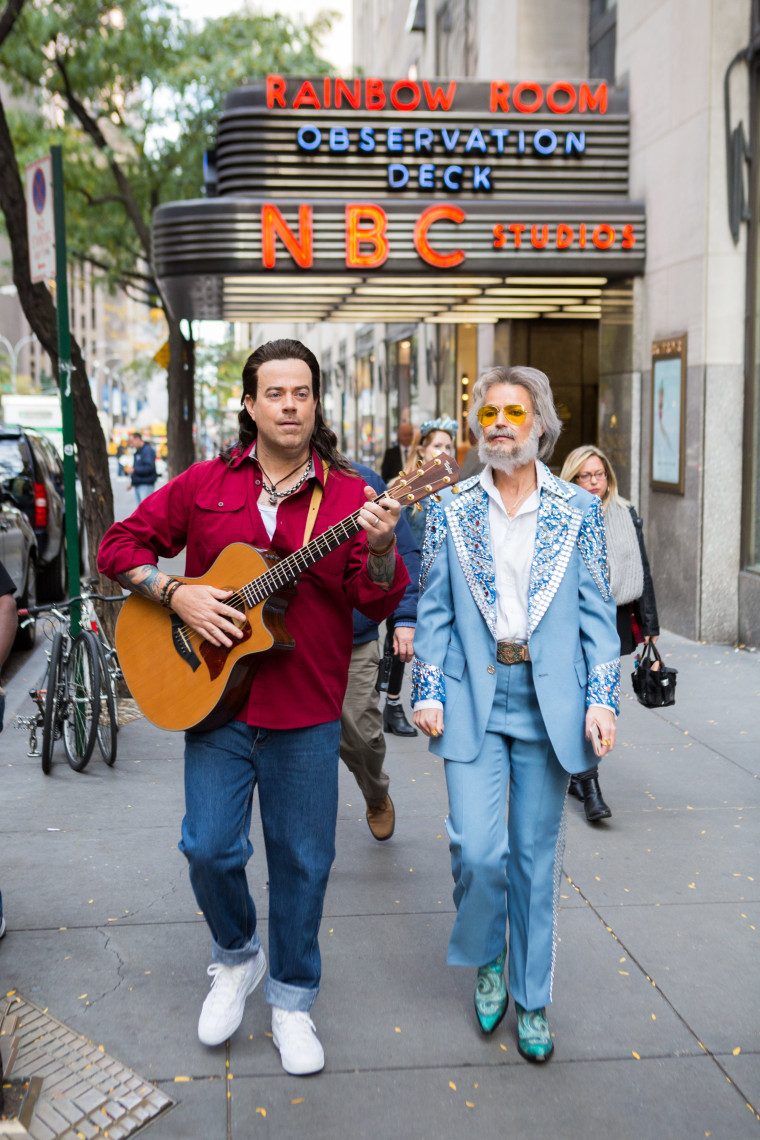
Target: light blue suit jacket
574,645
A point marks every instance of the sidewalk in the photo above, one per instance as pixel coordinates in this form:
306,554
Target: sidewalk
657,988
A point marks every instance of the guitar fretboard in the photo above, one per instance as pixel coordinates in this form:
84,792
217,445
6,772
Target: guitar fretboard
283,572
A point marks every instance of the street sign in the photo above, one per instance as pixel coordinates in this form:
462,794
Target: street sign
162,356
40,218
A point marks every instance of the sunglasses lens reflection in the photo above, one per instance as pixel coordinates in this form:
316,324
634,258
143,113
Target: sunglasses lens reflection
515,413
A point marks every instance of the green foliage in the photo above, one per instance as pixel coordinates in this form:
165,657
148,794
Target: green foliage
150,86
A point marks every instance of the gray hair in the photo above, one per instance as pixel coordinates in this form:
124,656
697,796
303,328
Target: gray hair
539,389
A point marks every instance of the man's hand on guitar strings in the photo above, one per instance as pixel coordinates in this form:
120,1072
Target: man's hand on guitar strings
203,608
379,519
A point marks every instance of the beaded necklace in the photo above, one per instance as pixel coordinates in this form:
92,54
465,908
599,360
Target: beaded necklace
271,487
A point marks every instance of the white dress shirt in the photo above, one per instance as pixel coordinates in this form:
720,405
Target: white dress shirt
512,542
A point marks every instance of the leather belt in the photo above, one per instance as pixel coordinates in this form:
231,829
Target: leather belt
511,652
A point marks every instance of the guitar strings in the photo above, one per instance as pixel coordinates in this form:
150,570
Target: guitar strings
291,560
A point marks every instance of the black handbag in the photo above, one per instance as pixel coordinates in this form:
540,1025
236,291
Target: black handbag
654,682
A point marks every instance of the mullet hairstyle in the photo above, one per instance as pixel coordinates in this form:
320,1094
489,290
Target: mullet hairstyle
323,440
579,458
540,391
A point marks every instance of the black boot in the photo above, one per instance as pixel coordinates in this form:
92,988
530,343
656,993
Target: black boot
575,788
593,802
395,721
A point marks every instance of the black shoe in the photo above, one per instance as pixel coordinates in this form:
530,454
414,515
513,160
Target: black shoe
575,788
593,803
395,721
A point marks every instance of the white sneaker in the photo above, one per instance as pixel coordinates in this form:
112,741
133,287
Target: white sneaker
294,1035
223,1008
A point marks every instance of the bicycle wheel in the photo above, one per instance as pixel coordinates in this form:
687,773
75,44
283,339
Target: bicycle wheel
107,721
82,711
50,714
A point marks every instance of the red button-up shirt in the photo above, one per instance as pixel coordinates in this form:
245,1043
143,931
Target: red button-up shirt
211,505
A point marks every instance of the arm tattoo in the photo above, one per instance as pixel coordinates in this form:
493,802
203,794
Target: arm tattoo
382,570
146,580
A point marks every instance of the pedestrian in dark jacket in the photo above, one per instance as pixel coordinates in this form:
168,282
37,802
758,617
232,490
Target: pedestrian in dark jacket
362,744
143,472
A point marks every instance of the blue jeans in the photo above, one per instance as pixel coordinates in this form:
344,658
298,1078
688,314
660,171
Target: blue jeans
142,490
509,866
297,775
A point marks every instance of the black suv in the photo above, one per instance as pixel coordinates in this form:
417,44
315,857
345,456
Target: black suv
31,473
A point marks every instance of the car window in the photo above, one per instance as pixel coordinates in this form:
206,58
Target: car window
40,458
14,458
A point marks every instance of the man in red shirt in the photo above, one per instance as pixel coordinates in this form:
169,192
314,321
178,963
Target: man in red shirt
286,737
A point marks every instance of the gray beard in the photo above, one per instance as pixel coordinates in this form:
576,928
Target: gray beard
509,462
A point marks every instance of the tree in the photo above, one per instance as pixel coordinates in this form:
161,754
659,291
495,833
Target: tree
136,89
39,308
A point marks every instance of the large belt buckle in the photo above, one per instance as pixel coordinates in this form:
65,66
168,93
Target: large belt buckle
510,653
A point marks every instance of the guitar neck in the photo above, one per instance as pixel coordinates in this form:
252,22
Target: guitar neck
283,572
437,473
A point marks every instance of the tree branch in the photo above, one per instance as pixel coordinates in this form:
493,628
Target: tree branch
90,126
9,17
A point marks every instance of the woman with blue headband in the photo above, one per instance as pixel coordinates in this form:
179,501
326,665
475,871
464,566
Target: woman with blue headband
435,437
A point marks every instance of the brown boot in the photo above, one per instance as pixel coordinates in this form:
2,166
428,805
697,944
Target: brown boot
381,819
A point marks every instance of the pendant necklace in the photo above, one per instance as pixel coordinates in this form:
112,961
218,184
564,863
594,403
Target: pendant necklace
271,487
519,502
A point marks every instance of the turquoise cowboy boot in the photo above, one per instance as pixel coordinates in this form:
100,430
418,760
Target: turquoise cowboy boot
534,1041
491,995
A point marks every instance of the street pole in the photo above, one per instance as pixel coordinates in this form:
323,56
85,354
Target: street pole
65,370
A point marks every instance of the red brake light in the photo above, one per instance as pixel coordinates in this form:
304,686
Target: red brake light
40,505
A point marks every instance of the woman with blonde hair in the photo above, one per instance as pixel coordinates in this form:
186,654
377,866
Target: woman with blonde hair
435,437
630,581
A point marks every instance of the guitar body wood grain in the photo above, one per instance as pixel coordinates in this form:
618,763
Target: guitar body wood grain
205,686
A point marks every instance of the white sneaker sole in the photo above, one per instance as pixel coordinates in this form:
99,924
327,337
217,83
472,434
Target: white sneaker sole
258,974
298,1070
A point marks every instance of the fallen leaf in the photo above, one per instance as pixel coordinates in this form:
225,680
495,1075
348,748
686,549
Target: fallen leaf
261,1111
298,1100
180,1080
636,1055
396,1029
452,1086
737,1050
469,1104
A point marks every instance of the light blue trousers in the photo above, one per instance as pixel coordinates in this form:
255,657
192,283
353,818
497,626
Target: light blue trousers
507,863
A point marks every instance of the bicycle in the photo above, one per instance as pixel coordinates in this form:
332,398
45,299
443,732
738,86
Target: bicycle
68,696
110,671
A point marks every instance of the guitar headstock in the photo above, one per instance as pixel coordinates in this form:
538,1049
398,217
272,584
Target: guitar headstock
435,475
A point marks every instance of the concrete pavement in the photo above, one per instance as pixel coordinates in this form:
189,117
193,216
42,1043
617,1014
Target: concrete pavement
657,988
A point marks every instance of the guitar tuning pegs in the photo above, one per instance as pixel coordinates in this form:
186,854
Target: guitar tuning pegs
437,498
429,488
456,490
410,498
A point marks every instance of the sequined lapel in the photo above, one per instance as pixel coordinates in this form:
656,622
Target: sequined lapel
467,517
556,533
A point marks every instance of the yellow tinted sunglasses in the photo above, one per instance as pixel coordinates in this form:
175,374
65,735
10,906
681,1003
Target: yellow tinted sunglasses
489,413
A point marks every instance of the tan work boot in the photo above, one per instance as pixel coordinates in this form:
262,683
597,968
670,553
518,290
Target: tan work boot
381,819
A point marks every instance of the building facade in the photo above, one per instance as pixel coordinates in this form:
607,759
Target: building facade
697,298
559,183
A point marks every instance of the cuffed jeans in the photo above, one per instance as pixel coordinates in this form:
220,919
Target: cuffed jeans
296,771
508,866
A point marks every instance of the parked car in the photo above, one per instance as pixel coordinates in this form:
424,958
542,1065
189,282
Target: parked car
31,472
18,553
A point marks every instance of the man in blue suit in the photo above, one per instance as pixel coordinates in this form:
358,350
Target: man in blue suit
516,679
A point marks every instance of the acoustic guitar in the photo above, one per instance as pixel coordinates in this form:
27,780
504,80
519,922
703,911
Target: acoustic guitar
178,678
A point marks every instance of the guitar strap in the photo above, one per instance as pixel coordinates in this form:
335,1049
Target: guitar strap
316,499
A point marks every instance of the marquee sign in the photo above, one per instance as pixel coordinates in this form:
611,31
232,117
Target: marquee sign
334,176
449,138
